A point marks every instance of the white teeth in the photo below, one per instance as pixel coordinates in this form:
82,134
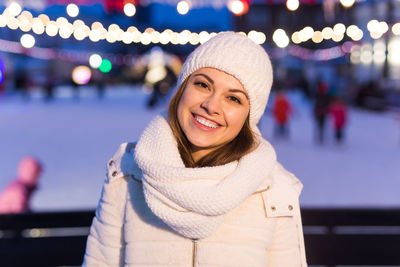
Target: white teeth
205,122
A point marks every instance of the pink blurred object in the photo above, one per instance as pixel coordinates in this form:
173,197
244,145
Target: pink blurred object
338,111
15,198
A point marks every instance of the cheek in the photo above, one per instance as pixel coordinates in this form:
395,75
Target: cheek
182,108
236,118
179,114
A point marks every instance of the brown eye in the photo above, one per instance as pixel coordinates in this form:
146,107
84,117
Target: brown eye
234,99
201,84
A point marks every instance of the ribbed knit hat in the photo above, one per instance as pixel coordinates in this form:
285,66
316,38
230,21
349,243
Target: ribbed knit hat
240,57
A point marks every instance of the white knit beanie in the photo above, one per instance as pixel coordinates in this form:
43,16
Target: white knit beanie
240,57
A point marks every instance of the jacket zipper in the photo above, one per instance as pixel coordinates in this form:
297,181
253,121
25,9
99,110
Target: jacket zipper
194,255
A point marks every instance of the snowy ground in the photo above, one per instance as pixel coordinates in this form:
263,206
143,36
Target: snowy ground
75,139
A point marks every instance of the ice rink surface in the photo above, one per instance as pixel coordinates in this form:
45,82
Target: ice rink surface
75,138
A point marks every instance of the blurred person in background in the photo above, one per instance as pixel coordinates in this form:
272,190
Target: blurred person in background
162,88
282,111
321,109
202,187
15,198
338,112
21,80
49,85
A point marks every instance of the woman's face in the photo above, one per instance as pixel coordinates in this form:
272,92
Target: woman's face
212,110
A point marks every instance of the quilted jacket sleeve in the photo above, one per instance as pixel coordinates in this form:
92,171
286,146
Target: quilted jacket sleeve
282,203
105,244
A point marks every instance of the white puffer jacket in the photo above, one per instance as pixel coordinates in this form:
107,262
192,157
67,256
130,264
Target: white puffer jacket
264,231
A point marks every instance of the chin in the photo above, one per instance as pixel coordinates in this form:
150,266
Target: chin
201,144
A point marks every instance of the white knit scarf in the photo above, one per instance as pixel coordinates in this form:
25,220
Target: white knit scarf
194,201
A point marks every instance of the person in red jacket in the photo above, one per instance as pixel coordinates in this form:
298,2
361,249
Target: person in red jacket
282,110
15,198
338,112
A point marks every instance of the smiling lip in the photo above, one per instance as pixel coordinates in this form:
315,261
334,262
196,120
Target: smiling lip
204,123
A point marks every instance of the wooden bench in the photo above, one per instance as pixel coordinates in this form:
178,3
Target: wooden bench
352,237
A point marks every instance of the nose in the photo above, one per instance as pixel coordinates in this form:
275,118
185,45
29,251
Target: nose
211,104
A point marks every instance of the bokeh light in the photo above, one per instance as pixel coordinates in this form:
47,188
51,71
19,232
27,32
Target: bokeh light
306,33
337,37
355,54
317,37
296,38
66,30
238,7
25,23
145,38
376,35
194,38
94,36
14,8
81,75
129,9
51,28
379,52
12,23
95,61
383,27
292,5
396,28
27,40
204,37
61,21
347,3
359,35
280,38
183,7
394,51
105,65
127,38
44,18
366,54
72,10
373,25
37,26
137,35
327,33
81,32
155,37
339,29
257,37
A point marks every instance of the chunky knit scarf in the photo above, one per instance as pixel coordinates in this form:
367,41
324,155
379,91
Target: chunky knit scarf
194,201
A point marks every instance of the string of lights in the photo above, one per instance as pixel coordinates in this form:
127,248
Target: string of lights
14,18
95,60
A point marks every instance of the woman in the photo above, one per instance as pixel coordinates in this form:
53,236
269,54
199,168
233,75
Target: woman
201,187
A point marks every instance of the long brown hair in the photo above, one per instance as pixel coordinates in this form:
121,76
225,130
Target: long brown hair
242,144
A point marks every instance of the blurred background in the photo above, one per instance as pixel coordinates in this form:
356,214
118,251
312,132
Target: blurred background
78,78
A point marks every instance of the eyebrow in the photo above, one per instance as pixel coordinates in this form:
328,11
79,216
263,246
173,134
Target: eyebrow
239,91
205,76
230,90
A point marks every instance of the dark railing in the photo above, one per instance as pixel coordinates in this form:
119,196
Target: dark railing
363,237
44,239
353,237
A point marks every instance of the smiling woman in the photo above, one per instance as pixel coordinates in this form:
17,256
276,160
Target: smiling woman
208,112
202,187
